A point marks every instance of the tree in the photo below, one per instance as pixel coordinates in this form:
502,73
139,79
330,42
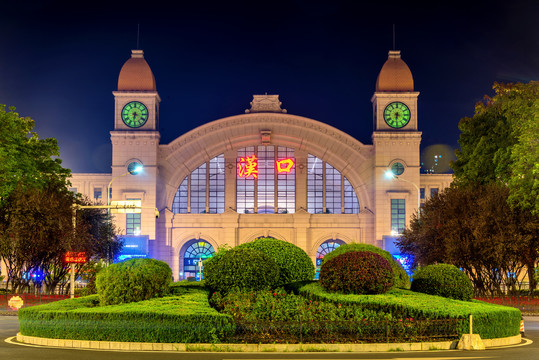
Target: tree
35,226
475,229
36,231
499,144
26,160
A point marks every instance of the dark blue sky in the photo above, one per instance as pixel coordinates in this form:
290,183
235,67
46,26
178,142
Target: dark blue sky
60,61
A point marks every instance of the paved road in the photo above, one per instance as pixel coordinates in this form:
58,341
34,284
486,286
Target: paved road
9,327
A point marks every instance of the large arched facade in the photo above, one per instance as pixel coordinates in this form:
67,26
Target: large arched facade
314,184
206,161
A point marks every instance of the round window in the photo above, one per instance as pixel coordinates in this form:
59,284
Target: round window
134,168
397,168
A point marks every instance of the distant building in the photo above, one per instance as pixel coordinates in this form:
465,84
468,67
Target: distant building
262,173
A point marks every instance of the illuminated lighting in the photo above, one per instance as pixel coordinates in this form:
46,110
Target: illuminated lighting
389,174
284,165
248,166
394,233
75,257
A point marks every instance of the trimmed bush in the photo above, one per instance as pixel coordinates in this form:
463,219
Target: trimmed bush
241,269
490,321
357,272
133,280
443,280
401,278
293,262
187,318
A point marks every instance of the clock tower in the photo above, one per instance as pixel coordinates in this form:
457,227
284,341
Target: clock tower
396,141
135,141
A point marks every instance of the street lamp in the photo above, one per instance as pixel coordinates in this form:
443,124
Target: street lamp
391,175
133,169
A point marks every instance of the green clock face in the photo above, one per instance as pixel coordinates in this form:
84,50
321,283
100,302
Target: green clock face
135,114
397,115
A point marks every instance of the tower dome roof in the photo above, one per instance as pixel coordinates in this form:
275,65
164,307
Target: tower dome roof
136,74
395,75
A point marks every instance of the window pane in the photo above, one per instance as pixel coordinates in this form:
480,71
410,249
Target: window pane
398,215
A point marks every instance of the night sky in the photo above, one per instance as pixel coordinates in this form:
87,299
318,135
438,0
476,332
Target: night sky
59,64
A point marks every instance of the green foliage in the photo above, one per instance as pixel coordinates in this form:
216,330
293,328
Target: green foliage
241,268
293,262
443,280
490,321
25,160
401,280
185,286
133,280
357,272
499,144
174,319
278,305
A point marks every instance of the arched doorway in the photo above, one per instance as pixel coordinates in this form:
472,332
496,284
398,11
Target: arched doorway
325,248
196,251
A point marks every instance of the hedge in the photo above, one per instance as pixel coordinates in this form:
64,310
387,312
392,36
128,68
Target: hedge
133,280
241,269
402,280
187,318
489,321
293,262
443,280
357,272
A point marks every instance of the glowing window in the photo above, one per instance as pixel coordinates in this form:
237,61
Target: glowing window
398,216
327,190
203,190
198,250
273,190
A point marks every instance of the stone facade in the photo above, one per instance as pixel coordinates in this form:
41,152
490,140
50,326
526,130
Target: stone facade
265,124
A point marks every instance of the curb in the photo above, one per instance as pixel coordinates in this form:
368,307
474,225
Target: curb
137,346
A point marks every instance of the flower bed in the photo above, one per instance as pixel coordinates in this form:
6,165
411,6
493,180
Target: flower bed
526,304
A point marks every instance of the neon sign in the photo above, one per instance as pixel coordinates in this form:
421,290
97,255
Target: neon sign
248,166
75,257
284,165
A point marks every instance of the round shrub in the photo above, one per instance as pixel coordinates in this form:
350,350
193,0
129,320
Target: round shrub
357,272
293,262
443,280
401,278
133,280
241,269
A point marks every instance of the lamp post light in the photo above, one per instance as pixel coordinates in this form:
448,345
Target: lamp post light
137,169
391,175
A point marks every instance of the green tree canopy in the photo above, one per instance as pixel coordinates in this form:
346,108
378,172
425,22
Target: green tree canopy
26,160
500,144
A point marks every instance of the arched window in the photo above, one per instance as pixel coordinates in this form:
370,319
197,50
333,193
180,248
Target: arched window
328,191
199,250
266,180
325,248
203,191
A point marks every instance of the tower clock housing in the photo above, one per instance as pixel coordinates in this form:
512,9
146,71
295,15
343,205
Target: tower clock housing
396,141
135,140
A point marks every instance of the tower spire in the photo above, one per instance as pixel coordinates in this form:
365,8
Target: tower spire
393,36
138,36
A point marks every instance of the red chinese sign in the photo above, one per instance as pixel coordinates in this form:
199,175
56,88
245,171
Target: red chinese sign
75,257
284,165
248,166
